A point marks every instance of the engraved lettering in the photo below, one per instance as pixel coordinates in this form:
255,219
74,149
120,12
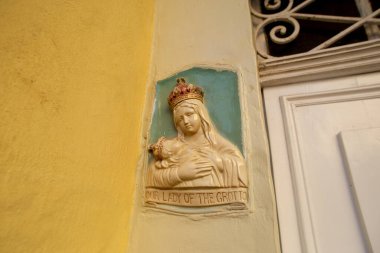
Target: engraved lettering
164,197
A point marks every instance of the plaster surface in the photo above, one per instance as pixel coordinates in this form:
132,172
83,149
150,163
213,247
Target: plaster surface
72,86
215,34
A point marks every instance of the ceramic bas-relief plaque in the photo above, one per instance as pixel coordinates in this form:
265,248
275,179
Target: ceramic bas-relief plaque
199,167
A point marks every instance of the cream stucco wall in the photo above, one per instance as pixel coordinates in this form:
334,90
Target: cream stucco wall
210,33
72,86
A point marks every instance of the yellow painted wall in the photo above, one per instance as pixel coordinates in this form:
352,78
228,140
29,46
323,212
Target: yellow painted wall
73,76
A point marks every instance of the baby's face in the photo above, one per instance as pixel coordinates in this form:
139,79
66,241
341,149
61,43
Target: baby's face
169,148
165,153
165,149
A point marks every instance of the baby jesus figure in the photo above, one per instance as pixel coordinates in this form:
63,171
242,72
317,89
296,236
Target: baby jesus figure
165,153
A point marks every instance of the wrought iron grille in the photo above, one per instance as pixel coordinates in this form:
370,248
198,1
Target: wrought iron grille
279,22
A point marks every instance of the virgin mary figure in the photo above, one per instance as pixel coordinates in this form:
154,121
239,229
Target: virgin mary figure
199,156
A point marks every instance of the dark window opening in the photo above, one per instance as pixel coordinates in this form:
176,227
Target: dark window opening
375,4
313,33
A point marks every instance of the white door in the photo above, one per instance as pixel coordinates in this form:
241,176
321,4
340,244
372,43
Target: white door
325,146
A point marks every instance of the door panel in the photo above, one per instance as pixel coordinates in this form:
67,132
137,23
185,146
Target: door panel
361,153
316,205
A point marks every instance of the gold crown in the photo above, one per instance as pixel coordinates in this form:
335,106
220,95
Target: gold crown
183,91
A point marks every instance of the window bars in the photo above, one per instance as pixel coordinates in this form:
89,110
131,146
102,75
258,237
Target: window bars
279,24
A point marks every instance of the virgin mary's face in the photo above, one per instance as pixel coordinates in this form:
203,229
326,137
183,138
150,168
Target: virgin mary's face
187,120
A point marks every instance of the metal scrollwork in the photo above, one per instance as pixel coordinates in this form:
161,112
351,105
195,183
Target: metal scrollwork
277,30
272,6
283,30
281,34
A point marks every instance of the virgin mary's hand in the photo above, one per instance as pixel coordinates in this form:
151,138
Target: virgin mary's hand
194,168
